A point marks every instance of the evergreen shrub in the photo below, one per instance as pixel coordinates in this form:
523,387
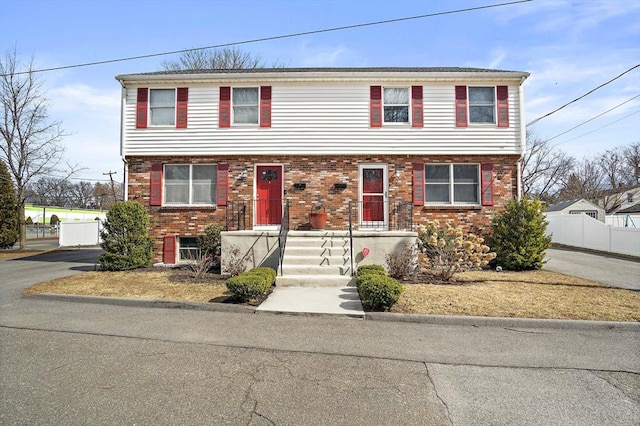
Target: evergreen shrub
251,284
519,235
125,237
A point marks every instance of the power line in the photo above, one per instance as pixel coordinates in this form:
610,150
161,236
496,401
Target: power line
278,37
580,97
599,128
593,118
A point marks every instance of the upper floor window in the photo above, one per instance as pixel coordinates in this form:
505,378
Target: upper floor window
245,105
452,184
396,104
187,184
162,107
482,105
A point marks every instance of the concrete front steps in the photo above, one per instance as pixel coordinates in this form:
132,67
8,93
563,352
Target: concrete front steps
316,259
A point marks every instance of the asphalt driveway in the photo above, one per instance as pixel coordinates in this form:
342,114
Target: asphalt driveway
613,271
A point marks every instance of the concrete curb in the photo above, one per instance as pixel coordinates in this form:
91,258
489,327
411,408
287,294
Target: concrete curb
371,316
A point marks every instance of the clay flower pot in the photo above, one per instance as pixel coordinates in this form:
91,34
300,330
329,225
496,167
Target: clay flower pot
318,217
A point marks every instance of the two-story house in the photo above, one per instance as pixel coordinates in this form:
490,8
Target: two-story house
379,149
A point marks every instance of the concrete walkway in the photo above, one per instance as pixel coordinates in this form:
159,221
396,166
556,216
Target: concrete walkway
314,300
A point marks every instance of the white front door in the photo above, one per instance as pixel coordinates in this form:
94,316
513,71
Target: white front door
373,196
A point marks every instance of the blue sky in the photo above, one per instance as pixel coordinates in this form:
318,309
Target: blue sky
569,47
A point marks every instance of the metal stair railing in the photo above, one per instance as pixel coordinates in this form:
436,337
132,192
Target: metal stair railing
282,235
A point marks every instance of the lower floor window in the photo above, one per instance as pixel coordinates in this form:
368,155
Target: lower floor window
190,184
452,183
188,248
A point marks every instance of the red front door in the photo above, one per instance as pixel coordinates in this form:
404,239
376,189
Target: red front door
373,195
268,195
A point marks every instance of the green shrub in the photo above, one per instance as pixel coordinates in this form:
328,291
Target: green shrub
209,243
125,237
519,235
379,291
365,270
9,229
251,284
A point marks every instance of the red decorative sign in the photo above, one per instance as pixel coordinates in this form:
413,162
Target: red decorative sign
365,252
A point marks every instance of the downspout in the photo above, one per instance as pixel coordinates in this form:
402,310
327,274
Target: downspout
123,99
523,138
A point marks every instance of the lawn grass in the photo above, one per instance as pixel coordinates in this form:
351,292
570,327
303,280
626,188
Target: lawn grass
532,294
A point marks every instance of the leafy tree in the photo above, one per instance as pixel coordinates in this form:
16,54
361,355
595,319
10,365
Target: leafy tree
126,237
519,235
8,210
30,143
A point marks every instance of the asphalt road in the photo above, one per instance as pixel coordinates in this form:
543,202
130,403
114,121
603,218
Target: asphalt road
78,363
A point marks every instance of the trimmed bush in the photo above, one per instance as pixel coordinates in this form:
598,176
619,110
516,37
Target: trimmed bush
251,284
125,237
519,235
363,269
379,291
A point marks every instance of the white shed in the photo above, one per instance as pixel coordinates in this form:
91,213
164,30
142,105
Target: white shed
577,206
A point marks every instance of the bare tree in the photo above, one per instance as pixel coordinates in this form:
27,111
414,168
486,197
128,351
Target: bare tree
223,59
30,142
585,181
546,169
631,155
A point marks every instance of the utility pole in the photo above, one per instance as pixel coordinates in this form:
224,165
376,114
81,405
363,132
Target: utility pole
113,187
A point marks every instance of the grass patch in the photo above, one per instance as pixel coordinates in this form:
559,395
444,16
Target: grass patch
164,284
533,294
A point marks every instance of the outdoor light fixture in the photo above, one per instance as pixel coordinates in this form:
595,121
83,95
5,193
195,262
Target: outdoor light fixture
243,174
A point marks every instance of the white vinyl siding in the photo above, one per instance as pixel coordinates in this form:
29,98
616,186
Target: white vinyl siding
315,118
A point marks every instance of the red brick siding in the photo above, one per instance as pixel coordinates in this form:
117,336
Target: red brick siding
319,173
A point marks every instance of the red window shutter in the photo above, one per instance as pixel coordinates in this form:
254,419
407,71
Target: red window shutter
224,109
461,106
142,105
418,184
502,93
155,194
265,106
376,106
417,110
223,185
169,250
181,107
486,172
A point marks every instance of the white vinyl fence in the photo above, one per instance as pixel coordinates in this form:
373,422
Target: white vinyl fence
580,230
80,233
623,221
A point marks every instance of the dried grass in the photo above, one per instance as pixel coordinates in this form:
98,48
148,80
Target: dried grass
534,294
154,284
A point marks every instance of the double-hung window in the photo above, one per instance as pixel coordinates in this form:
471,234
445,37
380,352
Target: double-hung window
190,184
396,104
482,105
162,107
245,105
452,184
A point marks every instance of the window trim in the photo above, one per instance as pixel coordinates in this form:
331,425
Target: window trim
495,107
175,107
190,203
408,105
451,185
257,107
195,249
